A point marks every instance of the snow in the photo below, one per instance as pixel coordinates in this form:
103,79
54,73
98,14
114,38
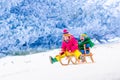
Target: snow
38,24
37,66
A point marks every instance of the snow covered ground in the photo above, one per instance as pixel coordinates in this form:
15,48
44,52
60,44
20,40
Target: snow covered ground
38,67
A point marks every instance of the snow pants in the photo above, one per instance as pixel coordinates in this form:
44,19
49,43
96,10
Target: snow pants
76,54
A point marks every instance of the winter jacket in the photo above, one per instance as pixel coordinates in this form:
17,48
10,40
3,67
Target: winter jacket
86,41
70,45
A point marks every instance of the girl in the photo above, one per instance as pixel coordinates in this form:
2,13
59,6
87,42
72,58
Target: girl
69,48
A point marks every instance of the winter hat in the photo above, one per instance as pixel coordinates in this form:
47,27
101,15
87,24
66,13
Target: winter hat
66,33
84,35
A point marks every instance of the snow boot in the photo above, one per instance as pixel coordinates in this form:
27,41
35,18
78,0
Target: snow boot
53,60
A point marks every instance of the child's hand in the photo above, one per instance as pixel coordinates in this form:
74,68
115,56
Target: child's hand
69,51
61,53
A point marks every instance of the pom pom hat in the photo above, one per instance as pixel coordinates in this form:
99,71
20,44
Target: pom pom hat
65,33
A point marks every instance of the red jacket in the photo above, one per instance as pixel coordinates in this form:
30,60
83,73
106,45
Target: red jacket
70,45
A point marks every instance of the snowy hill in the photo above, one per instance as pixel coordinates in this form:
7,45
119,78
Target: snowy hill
37,66
36,25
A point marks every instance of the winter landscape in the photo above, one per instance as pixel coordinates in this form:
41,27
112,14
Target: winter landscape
31,31
38,66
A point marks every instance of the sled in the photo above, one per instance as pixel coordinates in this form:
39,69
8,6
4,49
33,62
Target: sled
82,58
65,61
69,60
87,55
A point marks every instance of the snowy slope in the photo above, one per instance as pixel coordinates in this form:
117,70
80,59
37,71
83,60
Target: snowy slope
38,67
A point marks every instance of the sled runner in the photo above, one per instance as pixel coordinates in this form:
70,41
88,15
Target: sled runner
69,60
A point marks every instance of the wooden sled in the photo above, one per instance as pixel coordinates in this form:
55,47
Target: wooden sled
83,60
69,60
87,55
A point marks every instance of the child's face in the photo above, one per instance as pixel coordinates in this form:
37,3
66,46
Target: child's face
66,38
82,38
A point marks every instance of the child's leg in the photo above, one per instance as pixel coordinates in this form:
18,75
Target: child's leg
82,51
56,58
77,55
66,54
59,57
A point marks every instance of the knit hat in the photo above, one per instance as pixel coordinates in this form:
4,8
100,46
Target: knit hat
66,33
84,35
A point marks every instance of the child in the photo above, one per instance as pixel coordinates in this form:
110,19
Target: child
86,42
69,48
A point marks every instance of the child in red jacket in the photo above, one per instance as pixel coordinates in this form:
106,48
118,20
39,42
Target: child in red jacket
69,47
